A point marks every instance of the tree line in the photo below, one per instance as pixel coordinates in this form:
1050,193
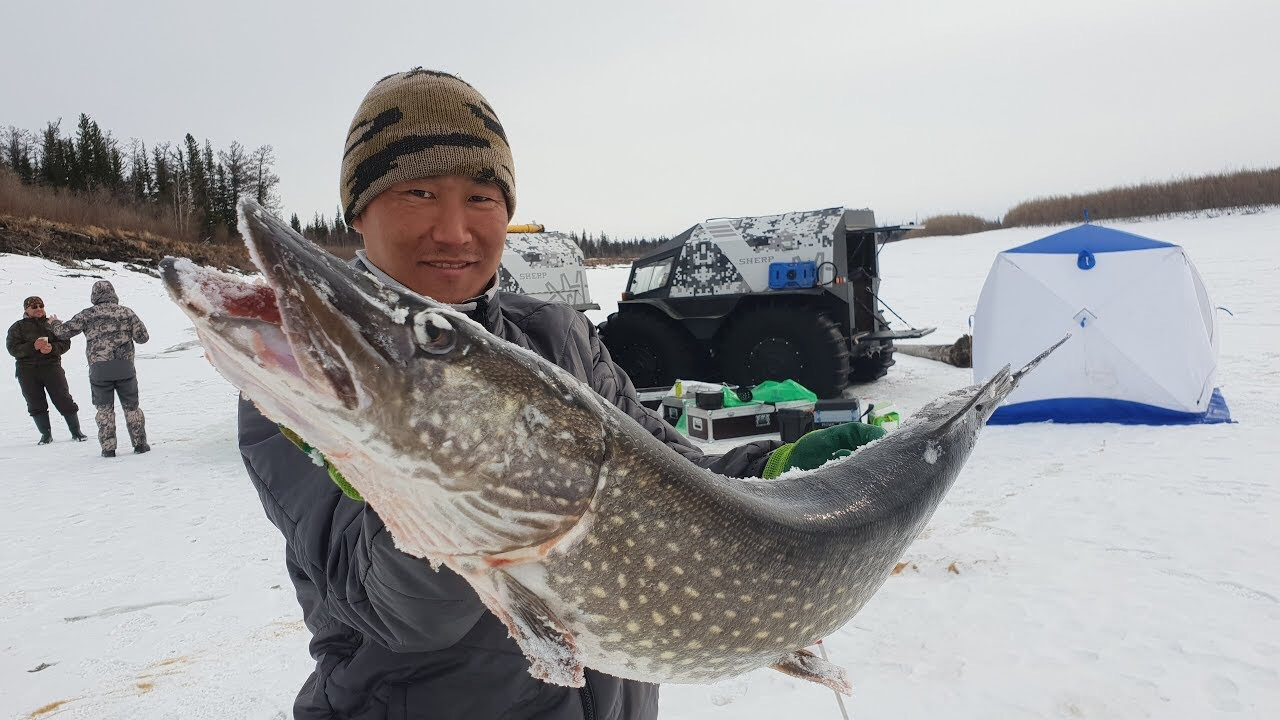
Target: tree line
193,188
189,190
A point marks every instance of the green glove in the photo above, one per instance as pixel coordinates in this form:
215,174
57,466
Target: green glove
347,488
821,446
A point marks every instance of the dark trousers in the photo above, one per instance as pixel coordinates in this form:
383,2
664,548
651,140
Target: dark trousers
104,400
38,380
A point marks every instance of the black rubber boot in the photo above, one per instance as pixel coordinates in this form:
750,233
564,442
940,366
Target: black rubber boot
139,449
42,424
73,424
108,453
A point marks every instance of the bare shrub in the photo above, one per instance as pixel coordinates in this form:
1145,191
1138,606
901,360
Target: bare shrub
1242,189
954,225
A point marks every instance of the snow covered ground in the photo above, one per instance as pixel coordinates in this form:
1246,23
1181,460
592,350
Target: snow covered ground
1074,571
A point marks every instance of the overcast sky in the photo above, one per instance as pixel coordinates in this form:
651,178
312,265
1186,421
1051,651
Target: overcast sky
646,117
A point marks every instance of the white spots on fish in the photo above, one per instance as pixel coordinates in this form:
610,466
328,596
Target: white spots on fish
755,619
642,599
931,453
777,614
677,569
736,633
719,595
623,604
622,580
617,520
745,598
716,572
675,632
667,655
793,624
807,606
676,610
658,618
630,542
691,591
673,547
762,634
509,492
663,587
696,616
598,591
693,645
586,565
731,614
649,562
633,626
715,630
645,643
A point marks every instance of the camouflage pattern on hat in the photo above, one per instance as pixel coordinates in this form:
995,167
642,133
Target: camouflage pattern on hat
33,300
423,123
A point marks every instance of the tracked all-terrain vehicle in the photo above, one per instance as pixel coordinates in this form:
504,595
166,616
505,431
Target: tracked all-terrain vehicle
744,300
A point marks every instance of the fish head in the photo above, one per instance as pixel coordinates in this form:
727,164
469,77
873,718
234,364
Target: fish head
417,405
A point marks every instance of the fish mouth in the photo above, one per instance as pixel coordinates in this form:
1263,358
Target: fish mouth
1004,382
311,324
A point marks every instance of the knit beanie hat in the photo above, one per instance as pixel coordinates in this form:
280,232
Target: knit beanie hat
422,123
33,300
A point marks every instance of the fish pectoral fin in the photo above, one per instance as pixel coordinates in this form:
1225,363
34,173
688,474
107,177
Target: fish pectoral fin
807,666
549,646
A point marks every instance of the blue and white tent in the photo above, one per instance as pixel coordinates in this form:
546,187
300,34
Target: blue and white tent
1144,346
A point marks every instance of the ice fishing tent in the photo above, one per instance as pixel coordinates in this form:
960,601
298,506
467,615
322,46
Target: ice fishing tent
1144,346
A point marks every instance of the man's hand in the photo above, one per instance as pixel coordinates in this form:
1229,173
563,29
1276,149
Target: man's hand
43,346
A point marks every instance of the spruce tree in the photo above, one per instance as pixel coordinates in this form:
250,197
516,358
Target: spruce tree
295,223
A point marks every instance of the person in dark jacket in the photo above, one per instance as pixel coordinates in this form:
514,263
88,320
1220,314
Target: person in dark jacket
427,180
110,330
38,351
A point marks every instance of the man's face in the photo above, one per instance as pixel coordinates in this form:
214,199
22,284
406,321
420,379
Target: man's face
35,311
440,236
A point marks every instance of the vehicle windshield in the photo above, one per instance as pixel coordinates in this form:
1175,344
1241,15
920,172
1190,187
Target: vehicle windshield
651,277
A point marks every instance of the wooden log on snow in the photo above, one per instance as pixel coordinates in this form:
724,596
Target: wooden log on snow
959,353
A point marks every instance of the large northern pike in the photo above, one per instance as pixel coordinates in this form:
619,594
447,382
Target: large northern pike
590,539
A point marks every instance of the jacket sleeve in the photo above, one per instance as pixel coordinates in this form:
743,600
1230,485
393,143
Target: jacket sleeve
71,328
140,334
611,382
60,344
15,344
346,553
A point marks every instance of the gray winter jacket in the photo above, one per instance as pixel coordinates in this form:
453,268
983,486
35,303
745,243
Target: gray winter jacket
394,639
110,330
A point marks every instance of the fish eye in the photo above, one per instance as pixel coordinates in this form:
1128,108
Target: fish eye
434,333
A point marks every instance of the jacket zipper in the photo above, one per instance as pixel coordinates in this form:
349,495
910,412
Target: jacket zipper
588,699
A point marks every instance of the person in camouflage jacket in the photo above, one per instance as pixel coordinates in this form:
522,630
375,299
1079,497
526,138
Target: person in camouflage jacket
110,330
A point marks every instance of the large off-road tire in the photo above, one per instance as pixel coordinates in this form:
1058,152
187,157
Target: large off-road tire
779,342
654,351
870,368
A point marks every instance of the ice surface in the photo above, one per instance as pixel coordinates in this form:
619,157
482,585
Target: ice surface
1093,571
